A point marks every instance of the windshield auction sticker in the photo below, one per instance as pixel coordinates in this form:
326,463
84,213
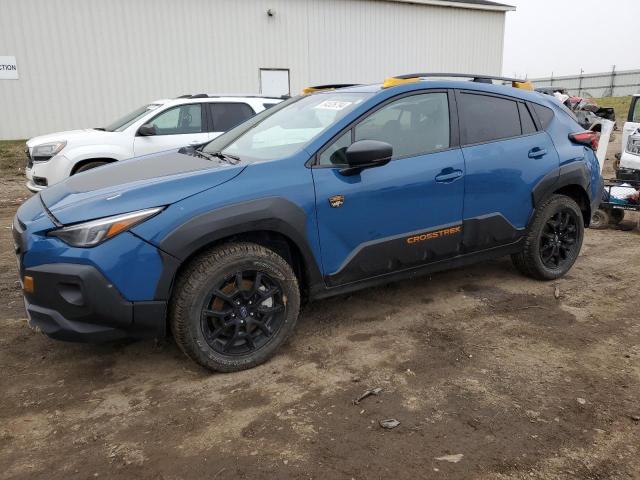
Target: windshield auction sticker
8,68
333,105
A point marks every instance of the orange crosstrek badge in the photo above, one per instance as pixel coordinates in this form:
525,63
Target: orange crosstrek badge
432,235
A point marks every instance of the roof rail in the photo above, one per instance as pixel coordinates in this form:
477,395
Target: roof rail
318,88
241,95
478,78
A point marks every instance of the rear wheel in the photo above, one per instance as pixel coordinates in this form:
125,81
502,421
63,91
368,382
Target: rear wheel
233,306
553,241
89,166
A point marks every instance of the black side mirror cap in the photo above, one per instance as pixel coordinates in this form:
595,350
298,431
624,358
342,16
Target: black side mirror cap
147,130
366,154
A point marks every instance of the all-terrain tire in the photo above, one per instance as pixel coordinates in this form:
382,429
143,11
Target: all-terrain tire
529,260
90,166
194,284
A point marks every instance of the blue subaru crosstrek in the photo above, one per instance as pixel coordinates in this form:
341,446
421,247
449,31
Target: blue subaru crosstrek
328,192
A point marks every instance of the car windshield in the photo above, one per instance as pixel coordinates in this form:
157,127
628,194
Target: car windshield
286,128
122,123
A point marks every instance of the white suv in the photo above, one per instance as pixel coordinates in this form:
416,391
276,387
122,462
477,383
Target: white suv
630,161
160,125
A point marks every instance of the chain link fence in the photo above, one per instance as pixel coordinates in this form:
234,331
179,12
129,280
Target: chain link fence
598,85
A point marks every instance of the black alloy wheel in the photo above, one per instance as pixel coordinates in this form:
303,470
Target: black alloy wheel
243,312
559,238
552,240
234,305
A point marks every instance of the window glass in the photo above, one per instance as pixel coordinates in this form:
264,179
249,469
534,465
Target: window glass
227,115
122,123
268,105
528,125
336,153
635,117
545,115
412,125
179,120
486,118
292,126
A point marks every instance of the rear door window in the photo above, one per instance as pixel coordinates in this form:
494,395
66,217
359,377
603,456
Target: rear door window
487,118
226,115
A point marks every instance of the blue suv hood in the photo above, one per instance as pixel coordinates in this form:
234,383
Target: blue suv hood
135,184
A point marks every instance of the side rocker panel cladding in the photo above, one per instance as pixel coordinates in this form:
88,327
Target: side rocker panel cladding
258,215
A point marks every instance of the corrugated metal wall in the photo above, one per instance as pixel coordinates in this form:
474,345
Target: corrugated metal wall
607,84
83,63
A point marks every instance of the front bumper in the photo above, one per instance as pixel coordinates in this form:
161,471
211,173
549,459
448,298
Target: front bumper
42,174
88,295
33,187
77,303
629,161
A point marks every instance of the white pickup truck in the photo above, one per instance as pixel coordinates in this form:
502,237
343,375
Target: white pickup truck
629,168
160,125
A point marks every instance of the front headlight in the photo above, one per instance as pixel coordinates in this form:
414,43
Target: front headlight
47,150
94,232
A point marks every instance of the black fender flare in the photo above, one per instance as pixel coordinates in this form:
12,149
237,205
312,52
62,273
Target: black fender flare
273,214
572,174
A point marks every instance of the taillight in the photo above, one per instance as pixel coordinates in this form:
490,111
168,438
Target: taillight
588,138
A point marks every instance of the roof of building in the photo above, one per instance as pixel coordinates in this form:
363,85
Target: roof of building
472,4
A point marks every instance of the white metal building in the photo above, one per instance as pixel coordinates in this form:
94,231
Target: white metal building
81,63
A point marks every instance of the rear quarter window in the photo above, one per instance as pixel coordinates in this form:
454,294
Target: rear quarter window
545,115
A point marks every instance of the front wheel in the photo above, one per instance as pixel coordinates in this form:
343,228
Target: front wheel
553,241
233,306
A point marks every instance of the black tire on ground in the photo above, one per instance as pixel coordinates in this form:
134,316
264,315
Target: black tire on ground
600,220
89,166
553,241
616,216
212,317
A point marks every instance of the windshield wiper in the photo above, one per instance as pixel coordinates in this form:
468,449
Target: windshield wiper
232,159
100,128
225,157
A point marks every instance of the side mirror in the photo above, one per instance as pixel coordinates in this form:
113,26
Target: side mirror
147,130
366,154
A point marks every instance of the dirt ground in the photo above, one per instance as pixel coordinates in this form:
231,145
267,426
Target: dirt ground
489,375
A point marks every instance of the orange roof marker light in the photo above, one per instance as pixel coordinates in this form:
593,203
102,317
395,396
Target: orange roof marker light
320,88
395,81
523,85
